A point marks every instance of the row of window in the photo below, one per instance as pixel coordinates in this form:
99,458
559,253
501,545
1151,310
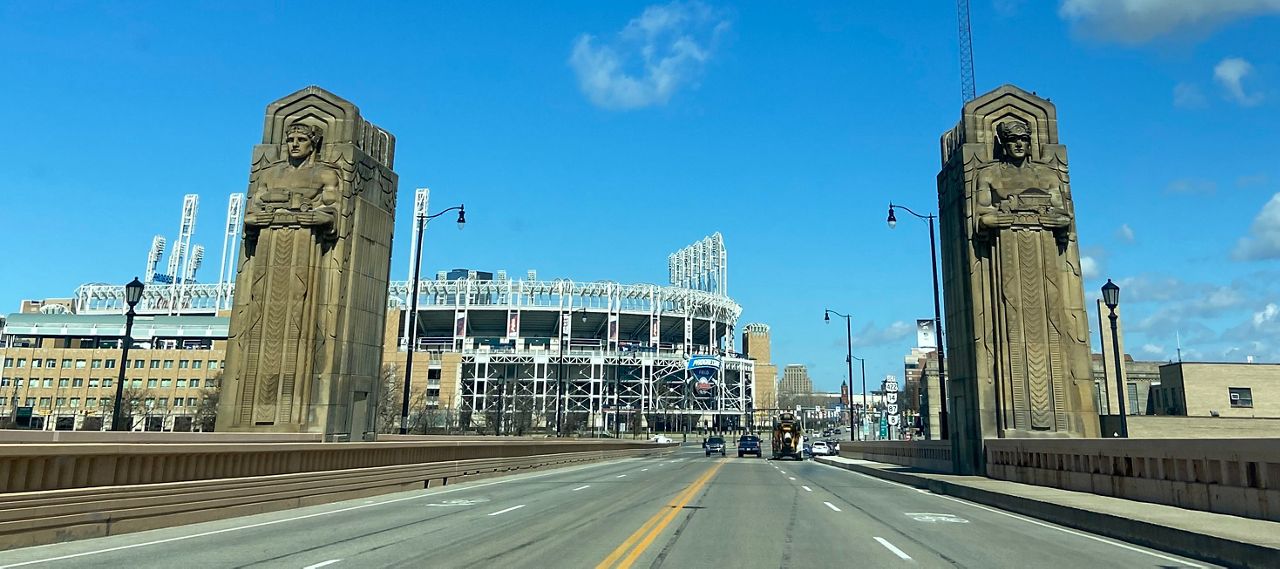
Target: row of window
110,363
74,402
104,382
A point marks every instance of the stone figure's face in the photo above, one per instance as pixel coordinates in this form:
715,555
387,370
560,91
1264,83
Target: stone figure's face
1017,146
298,144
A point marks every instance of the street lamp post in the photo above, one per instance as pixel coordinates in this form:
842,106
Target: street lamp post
862,361
1111,297
413,311
848,357
132,294
560,383
937,316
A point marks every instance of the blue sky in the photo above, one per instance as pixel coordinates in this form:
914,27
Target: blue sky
787,129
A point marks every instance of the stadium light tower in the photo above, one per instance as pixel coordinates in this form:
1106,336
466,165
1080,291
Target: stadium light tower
413,314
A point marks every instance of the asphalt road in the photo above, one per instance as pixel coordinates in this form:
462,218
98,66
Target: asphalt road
683,510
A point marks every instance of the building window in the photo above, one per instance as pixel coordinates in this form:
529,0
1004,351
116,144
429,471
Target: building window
77,382
37,362
182,382
95,364
191,402
155,364
137,383
166,382
111,364
64,382
4,382
213,364
182,364
195,364
1132,392
51,363
168,364
8,362
211,382
137,364
61,402
22,362
106,382
75,402
30,402
195,382
150,402
80,364
151,384
93,382
1240,396
45,401
164,402
91,402
66,363
48,382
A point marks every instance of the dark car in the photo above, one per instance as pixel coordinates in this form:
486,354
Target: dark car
715,444
749,444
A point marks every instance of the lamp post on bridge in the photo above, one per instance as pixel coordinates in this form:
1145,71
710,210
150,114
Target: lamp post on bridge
413,311
1111,297
937,314
862,361
560,382
848,357
132,294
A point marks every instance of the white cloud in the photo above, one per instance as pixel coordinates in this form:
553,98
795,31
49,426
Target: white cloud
1138,21
1252,180
1153,349
656,54
1089,267
1187,96
1230,73
1125,233
1263,241
1192,186
1266,315
870,335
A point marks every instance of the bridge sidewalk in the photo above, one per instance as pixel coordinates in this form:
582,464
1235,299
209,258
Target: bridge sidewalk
1216,538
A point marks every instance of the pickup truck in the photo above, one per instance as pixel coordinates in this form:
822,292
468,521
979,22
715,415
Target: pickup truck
749,444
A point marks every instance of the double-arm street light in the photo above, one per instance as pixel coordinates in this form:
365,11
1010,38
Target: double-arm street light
1111,297
132,294
564,345
412,325
848,357
937,315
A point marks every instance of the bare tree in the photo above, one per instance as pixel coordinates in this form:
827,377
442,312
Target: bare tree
390,387
494,406
206,415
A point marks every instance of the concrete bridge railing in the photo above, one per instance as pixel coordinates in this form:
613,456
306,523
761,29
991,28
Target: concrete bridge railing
58,492
925,455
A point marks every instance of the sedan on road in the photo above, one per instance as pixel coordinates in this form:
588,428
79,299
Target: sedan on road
821,448
715,444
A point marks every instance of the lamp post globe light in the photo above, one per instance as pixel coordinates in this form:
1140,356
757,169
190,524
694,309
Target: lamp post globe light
937,314
132,295
412,325
848,357
1111,298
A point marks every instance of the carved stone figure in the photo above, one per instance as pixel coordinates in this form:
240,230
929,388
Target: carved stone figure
1018,345
307,322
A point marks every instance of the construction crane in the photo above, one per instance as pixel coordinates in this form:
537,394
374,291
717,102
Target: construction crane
966,51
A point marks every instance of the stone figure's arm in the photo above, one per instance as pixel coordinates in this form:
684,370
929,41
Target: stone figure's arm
255,212
325,211
1059,215
989,218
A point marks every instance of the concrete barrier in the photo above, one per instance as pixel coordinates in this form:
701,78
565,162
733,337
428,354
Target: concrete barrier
925,455
81,491
1230,476
19,436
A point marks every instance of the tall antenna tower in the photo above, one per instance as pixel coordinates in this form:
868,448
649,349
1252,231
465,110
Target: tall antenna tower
966,51
230,249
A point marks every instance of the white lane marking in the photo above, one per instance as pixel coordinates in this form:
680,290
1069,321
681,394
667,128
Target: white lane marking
322,564
1018,517
644,470
499,512
782,471
807,489
892,548
621,476
832,506
583,487
1070,531
294,519
793,478
934,518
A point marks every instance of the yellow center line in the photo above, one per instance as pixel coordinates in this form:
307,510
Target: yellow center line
654,525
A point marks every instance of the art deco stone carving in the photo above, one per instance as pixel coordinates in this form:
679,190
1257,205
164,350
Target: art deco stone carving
307,325
1018,340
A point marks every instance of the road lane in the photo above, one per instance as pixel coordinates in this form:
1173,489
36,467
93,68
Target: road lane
730,512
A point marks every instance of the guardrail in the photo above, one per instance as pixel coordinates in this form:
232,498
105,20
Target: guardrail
925,455
64,492
1229,476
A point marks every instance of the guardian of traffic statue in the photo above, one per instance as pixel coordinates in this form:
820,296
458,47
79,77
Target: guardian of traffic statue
304,351
1018,338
